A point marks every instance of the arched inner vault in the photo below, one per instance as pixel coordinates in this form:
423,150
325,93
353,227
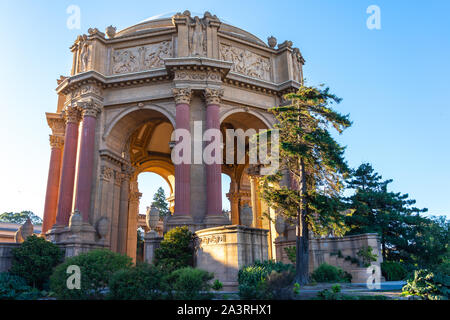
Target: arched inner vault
242,188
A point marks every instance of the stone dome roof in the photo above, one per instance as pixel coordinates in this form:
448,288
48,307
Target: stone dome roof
165,21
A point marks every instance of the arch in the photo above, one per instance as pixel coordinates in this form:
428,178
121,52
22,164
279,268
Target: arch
161,167
119,130
244,110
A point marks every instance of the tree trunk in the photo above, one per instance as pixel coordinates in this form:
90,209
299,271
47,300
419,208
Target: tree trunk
302,236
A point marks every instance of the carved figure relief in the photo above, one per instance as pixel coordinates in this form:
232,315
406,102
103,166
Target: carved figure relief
197,41
246,62
141,58
297,61
84,56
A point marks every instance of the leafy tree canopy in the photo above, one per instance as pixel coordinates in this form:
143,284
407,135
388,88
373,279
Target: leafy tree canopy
20,217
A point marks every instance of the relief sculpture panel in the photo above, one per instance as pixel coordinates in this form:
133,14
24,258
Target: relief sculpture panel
246,62
141,58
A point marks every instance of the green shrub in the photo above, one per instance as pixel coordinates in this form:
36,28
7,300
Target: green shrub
279,285
35,260
252,279
12,287
176,251
190,284
142,282
217,285
393,271
329,273
96,267
428,285
367,256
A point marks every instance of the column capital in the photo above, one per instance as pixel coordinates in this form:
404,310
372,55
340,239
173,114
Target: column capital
71,114
56,123
89,108
56,141
213,96
182,95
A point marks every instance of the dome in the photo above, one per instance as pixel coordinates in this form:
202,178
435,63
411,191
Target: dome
164,21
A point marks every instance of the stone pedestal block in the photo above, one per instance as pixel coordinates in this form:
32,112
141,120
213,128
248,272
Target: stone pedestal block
77,241
6,255
151,242
224,250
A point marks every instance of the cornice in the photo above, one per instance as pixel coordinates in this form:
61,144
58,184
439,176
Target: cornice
172,65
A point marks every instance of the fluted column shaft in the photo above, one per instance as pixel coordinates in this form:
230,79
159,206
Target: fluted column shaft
54,173
66,186
183,170
214,170
86,159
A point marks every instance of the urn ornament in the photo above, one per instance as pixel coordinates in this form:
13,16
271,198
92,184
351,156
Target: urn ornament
246,216
280,225
272,41
103,227
152,217
27,229
75,221
111,32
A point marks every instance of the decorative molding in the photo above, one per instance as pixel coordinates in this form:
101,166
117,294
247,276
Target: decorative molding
56,123
211,240
213,96
72,114
182,95
106,173
197,75
89,108
142,58
246,62
56,141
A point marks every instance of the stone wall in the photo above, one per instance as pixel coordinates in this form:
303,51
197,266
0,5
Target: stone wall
225,250
334,251
6,255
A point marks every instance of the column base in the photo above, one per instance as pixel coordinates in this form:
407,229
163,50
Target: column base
216,221
75,240
181,221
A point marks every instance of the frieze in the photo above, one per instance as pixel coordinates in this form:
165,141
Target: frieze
246,62
212,239
141,58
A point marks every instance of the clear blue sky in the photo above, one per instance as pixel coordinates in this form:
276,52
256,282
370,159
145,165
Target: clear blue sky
394,81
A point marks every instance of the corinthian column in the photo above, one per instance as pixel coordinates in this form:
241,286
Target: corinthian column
89,109
214,214
183,170
66,186
54,171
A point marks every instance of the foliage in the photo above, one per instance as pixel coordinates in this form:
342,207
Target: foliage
160,202
217,285
336,294
34,261
279,285
291,253
96,267
428,285
190,284
296,288
393,271
377,210
329,273
176,250
20,217
253,279
142,282
13,287
314,161
327,294
367,255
